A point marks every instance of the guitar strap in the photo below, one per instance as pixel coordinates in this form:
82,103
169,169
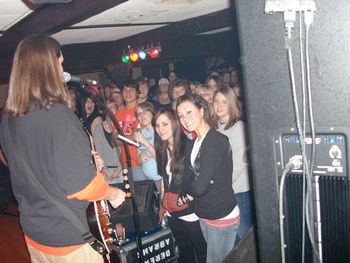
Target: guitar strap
65,210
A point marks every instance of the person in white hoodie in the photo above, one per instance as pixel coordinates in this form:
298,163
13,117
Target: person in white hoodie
227,113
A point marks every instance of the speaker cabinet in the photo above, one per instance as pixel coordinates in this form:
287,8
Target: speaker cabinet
147,201
269,99
245,251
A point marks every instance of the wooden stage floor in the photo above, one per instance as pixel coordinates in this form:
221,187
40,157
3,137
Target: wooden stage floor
12,245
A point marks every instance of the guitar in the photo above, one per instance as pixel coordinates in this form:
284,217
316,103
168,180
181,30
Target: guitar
98,217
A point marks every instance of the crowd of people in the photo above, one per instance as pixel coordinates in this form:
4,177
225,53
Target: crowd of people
191,143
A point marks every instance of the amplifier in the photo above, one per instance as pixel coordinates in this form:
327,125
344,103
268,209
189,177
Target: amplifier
157,246
147,201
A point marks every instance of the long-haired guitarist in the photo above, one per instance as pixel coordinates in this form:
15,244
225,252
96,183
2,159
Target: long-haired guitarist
39,122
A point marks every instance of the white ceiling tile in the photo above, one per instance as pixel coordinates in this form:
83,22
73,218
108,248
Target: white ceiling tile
99,34
11,12
132,11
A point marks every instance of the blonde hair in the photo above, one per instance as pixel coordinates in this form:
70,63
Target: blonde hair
234,107
206,90
36,80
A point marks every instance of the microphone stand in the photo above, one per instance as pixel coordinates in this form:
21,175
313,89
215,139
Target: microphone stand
136,216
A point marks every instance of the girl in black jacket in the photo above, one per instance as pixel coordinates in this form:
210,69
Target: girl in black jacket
208,177
169,144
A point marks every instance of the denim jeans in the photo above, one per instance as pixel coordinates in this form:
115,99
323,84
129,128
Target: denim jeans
220,241
246,210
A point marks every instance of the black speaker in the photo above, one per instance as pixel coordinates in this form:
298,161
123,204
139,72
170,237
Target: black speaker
269,99
245,251
147,201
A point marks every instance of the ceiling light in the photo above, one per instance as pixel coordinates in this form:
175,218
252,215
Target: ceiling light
134,56
154,52
125,58
142,54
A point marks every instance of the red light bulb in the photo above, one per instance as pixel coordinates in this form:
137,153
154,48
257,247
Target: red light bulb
154,53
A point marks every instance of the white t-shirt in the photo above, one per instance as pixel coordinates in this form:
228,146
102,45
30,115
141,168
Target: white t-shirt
236,136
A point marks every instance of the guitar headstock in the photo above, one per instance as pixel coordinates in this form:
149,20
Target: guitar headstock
86,130
126,182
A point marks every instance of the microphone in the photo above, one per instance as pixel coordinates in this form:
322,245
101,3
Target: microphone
128,140
70,78
81,89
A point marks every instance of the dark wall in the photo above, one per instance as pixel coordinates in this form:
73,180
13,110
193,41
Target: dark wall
268,94
188,53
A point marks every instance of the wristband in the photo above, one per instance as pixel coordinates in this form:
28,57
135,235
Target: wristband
187,199
179,201
104,170
149,146
183,199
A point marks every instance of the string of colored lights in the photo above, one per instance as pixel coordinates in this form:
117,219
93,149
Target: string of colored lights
142,54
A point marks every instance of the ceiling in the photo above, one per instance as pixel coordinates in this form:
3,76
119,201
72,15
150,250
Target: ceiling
99,21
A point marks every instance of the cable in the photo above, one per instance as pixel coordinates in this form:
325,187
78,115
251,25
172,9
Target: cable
297,119
289,9
294,163
306,171
289,166
308,19
303,152
304,128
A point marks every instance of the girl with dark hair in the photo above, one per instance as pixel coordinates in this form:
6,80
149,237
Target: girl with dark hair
208,178
105,141
75,97
91,117
170,146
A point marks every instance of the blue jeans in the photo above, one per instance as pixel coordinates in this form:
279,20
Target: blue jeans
220,241
245,204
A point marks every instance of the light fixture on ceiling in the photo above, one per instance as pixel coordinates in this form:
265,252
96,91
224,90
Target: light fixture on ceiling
154,52
136,54
125,58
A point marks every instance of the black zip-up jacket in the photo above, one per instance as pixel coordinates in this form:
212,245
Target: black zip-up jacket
210,180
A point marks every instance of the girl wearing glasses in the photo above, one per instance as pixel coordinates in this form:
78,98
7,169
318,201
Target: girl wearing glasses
146,153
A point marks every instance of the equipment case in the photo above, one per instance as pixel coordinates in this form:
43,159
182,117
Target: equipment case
158,246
